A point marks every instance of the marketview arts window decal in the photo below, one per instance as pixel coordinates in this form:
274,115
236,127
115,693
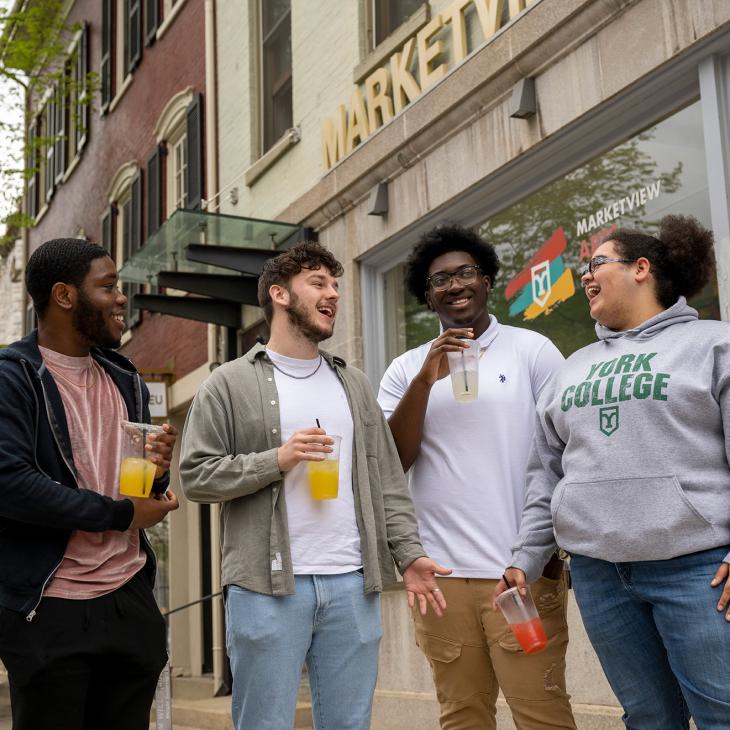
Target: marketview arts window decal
543,240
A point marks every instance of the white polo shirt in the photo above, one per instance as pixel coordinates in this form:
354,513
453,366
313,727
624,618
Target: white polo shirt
468,481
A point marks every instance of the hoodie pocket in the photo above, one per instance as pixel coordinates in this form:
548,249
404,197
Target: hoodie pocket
622,520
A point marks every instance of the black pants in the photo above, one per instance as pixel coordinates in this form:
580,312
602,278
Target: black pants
85,665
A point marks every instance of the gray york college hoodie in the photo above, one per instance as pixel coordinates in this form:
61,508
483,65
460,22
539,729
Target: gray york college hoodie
630,460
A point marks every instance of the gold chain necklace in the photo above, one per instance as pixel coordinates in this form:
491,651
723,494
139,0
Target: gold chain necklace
91,369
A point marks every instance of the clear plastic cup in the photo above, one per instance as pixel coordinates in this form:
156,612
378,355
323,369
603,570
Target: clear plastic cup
523,618
136,471
464,369
324,476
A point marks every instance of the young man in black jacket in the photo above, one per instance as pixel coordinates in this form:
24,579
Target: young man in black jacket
80,633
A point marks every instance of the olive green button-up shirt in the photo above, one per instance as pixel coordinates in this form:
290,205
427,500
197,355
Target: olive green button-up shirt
229,455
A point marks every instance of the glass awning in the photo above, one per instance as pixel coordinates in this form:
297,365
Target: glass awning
165,250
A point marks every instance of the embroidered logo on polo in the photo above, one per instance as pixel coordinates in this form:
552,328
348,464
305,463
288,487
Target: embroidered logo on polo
625,378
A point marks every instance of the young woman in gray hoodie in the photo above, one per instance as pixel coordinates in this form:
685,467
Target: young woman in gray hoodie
629,474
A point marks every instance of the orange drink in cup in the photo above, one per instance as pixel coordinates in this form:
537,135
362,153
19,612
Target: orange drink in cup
136,472
523,619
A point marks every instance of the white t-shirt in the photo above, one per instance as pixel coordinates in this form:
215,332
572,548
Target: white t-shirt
468,481
323,533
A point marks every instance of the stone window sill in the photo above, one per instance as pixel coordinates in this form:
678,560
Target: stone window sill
267,160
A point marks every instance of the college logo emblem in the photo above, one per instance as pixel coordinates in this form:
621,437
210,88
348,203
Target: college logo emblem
608,419
544,281
541,286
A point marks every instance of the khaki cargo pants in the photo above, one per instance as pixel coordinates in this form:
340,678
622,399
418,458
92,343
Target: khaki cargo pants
473,653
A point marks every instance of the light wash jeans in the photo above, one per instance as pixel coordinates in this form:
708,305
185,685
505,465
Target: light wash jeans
332,625
664,646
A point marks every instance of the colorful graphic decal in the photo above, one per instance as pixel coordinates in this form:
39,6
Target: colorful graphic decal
543,283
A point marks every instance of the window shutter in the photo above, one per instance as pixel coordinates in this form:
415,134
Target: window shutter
152,20
154,191
194,150
134,33
31,165
133,241
82,93
60,140
50,134
107,46
135,238
107,231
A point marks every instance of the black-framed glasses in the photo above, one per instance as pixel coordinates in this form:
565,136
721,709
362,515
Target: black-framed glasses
441,280
596,261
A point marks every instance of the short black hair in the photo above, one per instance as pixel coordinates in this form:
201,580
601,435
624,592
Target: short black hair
281,268
682,255
66,260
444,238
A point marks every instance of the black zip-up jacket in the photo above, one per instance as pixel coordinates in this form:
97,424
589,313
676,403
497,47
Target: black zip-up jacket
40,500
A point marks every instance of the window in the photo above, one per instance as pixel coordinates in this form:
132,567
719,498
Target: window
389,14
121,228
177,171
58,133
276,58
121,44
543,240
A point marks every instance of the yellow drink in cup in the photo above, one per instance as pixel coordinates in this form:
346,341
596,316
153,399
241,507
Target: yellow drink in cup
324,476
136,476
137,472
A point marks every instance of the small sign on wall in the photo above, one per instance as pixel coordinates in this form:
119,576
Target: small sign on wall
158,399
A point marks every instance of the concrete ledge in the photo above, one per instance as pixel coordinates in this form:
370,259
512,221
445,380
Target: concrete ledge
398,710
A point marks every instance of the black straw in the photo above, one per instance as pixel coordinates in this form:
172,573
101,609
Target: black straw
317,420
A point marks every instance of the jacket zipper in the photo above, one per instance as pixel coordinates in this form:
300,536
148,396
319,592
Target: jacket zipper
32,613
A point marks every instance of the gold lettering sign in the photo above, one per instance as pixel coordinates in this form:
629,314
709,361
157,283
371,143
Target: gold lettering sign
390,88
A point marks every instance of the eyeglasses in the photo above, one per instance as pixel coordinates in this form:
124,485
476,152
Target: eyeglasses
596,261
441,280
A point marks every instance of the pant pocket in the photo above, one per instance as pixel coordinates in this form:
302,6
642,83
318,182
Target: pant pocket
457,671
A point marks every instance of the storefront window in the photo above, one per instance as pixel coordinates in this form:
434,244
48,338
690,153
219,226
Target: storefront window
543,240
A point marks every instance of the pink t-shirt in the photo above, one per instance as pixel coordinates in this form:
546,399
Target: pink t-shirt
95,563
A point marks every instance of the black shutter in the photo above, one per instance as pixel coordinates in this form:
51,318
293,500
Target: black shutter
194,150
31,166
107,231
133,19
49,132
107,48
152,20
60,140
133,239
83,103
154,191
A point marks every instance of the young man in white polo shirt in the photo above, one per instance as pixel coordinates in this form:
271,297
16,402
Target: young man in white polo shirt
467,466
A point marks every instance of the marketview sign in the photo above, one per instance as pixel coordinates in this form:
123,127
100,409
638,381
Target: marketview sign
393,86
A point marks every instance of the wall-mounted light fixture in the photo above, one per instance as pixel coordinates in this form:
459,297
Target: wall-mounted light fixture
378,201
523,104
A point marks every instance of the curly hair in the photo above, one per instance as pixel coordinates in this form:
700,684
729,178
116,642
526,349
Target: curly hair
445,238
66,260
281,269
682,255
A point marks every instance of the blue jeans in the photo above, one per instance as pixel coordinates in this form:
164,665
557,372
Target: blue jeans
664,646
332,625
